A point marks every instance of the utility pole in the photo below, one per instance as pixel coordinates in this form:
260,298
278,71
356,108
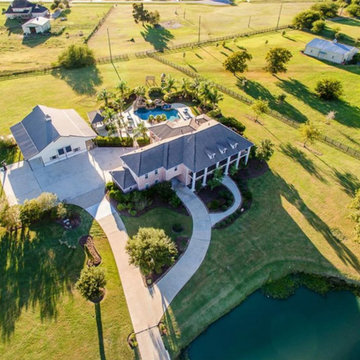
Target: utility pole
278,21
199,28
111,59
249,21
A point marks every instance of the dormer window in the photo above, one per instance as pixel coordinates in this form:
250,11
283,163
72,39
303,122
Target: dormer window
222,148
210,154
233,143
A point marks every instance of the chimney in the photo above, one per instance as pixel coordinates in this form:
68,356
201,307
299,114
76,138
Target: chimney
47,117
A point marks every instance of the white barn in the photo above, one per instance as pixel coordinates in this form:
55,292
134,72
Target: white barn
37,25
48,135
330,50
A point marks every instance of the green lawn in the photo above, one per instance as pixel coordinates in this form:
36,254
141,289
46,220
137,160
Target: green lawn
298,83
19,53
298,221
161,218
127,37
42,315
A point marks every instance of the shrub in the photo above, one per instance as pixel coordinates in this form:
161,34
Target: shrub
213,205
109,186
318,26
163,191
177,227
112,141
155,92
265,150
10,216
305,19
132,212
76,56
121,206
61,211
91,283
233,123
143,141
281,288
353,10
151,250
214,113
173,96
329,89
175,201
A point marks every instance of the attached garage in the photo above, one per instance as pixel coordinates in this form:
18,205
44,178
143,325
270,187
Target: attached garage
38,25
48,135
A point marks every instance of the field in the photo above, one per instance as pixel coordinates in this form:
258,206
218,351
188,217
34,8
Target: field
298,83
41,313
181,22
18,53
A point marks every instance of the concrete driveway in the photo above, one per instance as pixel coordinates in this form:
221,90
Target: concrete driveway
78,180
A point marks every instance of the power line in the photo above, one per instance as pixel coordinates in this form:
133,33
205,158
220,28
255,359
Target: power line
111,59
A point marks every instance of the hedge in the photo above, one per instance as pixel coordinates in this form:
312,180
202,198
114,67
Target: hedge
143,141
112,141
233,123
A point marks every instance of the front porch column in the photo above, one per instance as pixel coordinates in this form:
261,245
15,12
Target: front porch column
217,164
247,155
238,160
227,166
205,177
193,181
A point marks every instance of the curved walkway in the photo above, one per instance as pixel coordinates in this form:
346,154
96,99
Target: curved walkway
230,184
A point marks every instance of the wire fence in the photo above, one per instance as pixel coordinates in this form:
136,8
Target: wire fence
235,95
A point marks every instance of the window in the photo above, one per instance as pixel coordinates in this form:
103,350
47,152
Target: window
156,172
175,168
146,176
146,186
61,152
68,149
53,157
77,149
156,181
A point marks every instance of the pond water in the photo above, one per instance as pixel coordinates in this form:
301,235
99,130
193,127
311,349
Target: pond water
144,114
305,326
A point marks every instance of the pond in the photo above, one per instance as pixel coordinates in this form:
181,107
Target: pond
144,114
305,326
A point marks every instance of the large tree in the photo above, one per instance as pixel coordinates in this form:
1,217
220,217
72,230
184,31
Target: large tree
305,19
276,59
329,89
326,9
237,62
265,150
76,56
151,249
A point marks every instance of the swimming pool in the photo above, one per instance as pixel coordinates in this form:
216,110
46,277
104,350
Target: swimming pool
144,114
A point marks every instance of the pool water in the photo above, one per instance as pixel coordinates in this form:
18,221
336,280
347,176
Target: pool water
144,114
307,326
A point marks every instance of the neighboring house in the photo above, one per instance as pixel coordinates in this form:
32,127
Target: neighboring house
48,135
187,157
330,51
37,25
23,9
96,120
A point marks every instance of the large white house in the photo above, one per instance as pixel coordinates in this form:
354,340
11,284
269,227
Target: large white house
23,9
48,135
37,25
330,50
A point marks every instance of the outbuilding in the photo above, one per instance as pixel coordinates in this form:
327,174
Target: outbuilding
38,25
330,50
48,135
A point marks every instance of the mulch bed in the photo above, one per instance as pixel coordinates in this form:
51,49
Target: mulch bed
254,169
87,242
207,195
181,243
71,223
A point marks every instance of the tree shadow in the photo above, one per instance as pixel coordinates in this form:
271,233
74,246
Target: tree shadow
301,158
348,181
35,271
82,81
346,114
34,40
157,36
345,21
13,26
100,331
257,91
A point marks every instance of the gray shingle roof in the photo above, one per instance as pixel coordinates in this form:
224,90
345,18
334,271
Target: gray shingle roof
330,46
95,117
191,149
123,178
35,132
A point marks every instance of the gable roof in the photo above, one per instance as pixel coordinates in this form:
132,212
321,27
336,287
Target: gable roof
330,46
123,178
45,125
24,4
40,20
194,150
95,117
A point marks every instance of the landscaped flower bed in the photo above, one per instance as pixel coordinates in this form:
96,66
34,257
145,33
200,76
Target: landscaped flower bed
218,199
87,243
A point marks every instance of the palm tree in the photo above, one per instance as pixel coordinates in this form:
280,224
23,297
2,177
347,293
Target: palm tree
204,92
170,84
141,131
140,91
184,87
214,97
122,88
104,95
108,114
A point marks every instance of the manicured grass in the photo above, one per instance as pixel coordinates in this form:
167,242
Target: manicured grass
127,37
19,53
42,315
298,221
160,218
70,89
298,83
